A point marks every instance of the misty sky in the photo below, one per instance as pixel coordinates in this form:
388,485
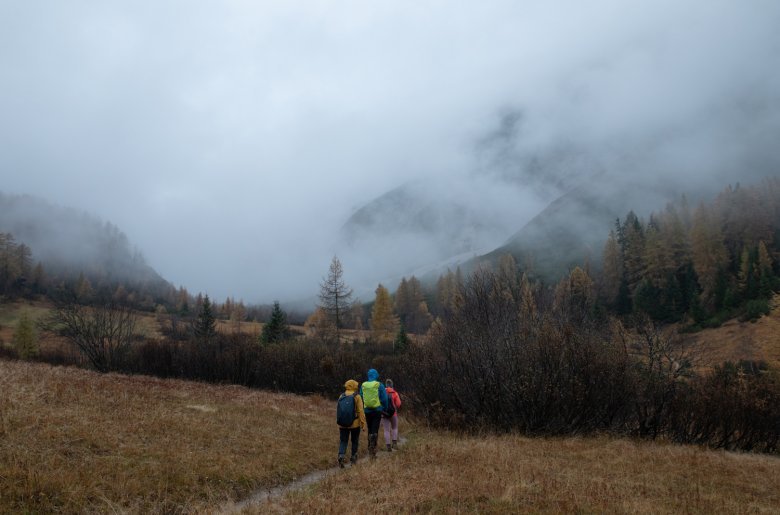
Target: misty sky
230,140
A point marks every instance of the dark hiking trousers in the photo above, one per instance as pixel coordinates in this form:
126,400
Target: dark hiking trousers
344,435
373,419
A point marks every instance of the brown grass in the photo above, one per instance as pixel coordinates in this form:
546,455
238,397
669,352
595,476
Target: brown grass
446,473
735,340
76,441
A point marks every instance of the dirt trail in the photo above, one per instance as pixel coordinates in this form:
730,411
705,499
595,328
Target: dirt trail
268,494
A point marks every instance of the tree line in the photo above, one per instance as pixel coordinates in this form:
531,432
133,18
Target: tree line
593,352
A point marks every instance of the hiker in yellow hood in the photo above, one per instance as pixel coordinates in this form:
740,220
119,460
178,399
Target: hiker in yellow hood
351,418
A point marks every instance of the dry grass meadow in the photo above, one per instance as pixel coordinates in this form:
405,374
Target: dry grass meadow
735,340
75,441
446,473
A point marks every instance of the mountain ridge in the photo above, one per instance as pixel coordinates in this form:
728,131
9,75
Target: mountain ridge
70,242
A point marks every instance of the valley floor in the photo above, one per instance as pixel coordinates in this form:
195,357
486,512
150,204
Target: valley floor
76,441
447,473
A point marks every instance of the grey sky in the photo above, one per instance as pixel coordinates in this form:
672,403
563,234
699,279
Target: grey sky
230,140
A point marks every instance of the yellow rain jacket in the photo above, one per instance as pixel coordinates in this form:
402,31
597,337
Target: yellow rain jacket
351,388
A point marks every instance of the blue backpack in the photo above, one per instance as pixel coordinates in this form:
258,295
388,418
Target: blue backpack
345,410
390,411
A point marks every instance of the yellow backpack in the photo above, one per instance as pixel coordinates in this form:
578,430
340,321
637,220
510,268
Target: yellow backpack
370,390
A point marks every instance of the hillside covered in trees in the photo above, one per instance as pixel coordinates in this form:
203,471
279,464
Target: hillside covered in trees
707,263
53,250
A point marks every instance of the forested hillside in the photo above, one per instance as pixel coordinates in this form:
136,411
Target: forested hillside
52,250
711,262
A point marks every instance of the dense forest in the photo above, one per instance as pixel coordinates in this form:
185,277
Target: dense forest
708,264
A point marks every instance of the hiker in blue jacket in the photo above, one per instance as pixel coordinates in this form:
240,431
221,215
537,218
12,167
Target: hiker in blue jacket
374,403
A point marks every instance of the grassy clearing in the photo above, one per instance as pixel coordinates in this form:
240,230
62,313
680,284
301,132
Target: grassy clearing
76,441
446,473
735,340
10,313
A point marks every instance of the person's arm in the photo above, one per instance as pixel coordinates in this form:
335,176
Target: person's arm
383,396
396,400
361,413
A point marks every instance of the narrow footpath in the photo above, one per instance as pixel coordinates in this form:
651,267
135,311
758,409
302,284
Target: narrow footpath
259,497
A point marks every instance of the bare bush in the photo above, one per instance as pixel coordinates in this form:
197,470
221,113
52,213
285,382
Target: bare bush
547,364
732,408
306,365
102,334
500,360
660,366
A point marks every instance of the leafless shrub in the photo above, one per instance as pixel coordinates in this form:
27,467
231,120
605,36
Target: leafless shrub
502,361
551,366
660,366
102,334
732,408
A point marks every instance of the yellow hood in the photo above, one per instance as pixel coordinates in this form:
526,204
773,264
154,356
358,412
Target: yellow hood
351,385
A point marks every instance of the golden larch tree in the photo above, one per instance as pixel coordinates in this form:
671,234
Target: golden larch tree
384,322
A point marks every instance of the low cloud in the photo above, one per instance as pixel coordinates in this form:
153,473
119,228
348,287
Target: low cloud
232,141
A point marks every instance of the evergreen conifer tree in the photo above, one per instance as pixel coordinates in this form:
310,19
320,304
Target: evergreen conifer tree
612,274
205,324
276,330
401,342
25,339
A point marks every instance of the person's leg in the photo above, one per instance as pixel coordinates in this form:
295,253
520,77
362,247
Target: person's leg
372,421
394,426
343,438
355,434
386,425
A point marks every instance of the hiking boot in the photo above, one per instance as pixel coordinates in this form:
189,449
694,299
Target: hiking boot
395,444
342,460
372,445
353,459
389,448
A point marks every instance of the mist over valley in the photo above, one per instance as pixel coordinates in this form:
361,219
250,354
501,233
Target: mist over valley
239,148
538,243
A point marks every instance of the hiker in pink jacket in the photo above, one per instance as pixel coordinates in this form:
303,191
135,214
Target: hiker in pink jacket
390,416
